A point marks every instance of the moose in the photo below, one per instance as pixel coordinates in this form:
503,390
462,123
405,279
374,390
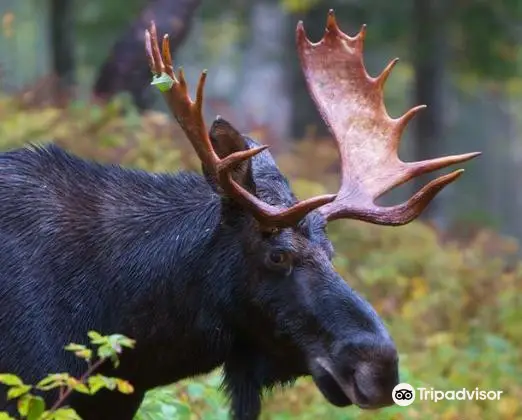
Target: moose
223,267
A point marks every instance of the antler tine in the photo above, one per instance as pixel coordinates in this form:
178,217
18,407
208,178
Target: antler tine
351,103
189,115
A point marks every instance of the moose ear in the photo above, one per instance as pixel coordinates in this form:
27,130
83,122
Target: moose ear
225,141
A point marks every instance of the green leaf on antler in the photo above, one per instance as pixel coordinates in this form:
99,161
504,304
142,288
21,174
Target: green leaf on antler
163,82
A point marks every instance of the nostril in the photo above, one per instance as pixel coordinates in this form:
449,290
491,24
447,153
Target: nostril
368,381
375,381
364,396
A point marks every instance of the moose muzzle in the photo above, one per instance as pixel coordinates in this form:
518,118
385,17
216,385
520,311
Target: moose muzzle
363,374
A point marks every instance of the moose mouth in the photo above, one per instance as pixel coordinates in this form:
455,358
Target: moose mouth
337,390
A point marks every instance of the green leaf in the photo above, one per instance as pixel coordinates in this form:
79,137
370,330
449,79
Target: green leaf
74,347
97,382
127,342
96,338
36,408
118,340
110,383
79,350
5,416
10,380
115,360
163,82
82,388
23,404
18,391
84,354
105,351
65,413
52,381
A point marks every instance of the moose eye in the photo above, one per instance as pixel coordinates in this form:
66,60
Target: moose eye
278,259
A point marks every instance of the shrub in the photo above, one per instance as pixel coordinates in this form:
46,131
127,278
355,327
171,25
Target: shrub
32,407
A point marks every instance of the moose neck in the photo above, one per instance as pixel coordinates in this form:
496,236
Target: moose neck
176,266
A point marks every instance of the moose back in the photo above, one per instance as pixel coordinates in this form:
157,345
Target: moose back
224,268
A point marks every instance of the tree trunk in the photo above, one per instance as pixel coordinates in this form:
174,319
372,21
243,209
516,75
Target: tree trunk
126,69
62,48
429,45
264,102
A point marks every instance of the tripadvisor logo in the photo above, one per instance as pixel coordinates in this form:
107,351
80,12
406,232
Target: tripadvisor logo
404,394
460,395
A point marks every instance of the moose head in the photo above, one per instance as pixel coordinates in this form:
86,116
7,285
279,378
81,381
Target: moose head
293,313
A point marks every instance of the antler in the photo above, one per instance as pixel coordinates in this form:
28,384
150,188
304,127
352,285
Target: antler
351,104
189,115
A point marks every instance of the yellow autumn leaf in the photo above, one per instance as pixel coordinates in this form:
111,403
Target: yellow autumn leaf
419,287
124,387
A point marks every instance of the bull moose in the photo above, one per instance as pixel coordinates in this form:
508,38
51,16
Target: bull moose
223,268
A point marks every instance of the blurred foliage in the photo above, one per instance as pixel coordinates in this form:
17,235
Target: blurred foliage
296,6
453,305
32,407
483,36
99,24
